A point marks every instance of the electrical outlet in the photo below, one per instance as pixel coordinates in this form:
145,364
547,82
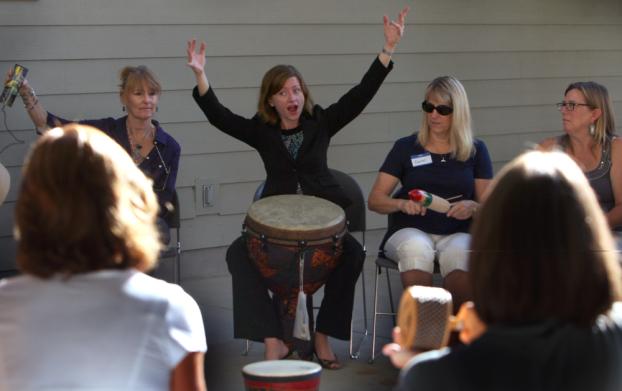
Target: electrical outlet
206,196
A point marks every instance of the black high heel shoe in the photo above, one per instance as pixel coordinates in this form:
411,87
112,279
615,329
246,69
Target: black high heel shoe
287,355
329,364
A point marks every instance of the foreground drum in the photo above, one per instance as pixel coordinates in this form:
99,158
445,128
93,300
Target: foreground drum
281,229
425,318
282,375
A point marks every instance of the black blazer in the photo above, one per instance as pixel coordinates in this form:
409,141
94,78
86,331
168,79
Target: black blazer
310,168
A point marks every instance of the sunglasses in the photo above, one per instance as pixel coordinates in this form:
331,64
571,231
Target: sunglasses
441,109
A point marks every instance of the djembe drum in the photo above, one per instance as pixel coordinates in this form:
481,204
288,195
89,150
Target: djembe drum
283,230
282,375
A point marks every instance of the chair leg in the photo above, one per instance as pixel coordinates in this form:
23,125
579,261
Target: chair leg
247,347
391,297
373,327
356,354
364,290
177,267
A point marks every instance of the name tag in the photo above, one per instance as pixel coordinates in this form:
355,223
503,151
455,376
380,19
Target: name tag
421,159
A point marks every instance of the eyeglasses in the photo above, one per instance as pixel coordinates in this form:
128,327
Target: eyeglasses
570,105
161,185
441,109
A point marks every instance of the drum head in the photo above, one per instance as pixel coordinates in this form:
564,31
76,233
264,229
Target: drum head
284,369
295,217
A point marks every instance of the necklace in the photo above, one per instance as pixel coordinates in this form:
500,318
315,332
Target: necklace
135,146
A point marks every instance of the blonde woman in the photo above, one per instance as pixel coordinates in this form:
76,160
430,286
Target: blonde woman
442,158
152,149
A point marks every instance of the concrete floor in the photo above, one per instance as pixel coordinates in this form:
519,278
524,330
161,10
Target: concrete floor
224,361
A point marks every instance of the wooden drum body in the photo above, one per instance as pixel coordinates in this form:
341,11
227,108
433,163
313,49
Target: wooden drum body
425,318
280,229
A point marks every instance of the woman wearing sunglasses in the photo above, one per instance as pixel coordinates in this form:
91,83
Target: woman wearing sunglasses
153,150
589,126
444,159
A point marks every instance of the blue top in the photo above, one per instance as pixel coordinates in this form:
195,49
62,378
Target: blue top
440,174
160,165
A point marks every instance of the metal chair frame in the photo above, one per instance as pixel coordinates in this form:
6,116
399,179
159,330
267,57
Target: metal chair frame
388,264
174,250
384,262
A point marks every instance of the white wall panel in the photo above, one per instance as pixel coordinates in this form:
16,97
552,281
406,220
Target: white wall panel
514,57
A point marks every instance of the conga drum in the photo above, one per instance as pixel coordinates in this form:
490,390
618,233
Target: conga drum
282,375
282,230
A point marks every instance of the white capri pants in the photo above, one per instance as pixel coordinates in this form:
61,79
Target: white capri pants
412,249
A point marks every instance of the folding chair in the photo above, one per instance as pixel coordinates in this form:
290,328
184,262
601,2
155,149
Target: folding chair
174,249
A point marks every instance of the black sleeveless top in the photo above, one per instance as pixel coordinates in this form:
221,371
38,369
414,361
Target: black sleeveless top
599,178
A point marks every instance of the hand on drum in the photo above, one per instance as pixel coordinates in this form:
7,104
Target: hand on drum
411,208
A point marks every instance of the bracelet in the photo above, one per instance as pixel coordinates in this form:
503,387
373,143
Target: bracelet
30,93
32,105
387,52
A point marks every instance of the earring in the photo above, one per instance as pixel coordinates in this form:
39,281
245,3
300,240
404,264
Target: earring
592,129
123,108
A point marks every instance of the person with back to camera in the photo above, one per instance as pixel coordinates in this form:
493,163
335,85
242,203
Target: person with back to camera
546,311
84,315
292,136
153,150
444,159
589,126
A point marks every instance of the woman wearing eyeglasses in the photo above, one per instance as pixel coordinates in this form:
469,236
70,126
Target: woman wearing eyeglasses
444,159
589,126
153,150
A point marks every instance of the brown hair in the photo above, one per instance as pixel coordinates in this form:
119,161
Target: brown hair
133,77
541,246
83,206
272,83
597,97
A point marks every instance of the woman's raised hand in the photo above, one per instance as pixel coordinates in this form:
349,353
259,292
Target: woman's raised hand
196,60
393,30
